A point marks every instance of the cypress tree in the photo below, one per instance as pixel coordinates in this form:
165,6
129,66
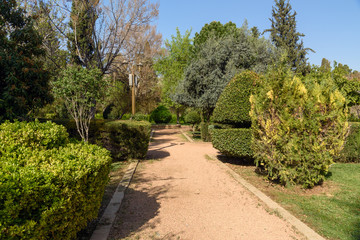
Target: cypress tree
284,35
80,41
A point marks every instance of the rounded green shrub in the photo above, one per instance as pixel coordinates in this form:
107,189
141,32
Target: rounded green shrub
193,117
233,106
161,115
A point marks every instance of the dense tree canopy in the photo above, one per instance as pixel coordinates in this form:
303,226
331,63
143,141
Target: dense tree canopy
215,30
217,61
171,66
23,82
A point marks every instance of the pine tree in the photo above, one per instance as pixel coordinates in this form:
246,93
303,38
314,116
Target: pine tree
284,35
80,40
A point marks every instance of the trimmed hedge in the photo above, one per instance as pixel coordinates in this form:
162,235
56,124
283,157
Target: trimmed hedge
233,106
123,138
234,142
232,114
49,189
351,150
126,139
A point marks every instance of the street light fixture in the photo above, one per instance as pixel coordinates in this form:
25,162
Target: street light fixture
133,82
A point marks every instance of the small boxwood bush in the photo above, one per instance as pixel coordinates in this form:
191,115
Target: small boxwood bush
351,151
233,106
49,188
161,115
234,142
126,139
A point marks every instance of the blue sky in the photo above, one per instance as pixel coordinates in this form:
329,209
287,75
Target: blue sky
331,27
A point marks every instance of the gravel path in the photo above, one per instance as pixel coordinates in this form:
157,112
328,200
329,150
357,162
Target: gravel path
180,194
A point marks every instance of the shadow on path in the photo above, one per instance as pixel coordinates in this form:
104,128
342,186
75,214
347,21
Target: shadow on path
243,161
139,207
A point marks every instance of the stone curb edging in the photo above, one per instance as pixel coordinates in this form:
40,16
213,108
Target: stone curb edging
107,219
299,225
187,137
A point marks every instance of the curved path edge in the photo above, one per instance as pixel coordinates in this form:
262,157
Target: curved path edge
299,225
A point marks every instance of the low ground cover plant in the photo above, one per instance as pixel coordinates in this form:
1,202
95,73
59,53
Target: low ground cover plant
49,188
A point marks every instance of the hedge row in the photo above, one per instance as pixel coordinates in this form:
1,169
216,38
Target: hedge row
351,151
49,190
123,138
235,142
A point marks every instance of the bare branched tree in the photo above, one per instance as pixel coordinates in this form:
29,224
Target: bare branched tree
115,24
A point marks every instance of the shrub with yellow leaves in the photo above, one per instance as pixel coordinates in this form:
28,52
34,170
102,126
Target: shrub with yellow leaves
299,126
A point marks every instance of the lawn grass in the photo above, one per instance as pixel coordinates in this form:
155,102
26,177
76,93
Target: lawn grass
333,209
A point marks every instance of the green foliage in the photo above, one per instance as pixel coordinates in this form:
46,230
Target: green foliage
123,138
141,117
32,135
193,117
233,106
80,88
214,29
80,39
218,61
172,66
126,139
299,127
49,188
161,115
347,83
205,133
235,142
23,82
284,35
351,151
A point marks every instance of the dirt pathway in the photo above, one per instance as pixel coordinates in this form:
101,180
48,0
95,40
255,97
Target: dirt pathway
179,194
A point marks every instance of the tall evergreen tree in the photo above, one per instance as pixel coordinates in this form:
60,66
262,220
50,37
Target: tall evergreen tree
23,81
80,40
284,35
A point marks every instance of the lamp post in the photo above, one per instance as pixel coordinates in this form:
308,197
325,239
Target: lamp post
133,83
